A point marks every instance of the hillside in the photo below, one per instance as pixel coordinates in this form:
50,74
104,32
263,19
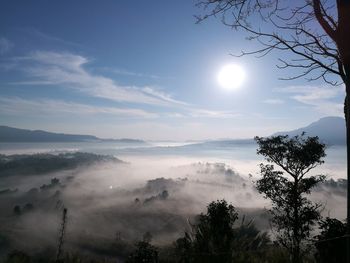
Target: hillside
330,130
9,134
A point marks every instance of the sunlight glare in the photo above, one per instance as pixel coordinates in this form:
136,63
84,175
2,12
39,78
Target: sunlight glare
231,76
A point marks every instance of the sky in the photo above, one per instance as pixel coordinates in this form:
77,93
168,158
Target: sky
143,69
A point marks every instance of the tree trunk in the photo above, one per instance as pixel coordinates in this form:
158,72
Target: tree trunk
296,225
347,122
343,43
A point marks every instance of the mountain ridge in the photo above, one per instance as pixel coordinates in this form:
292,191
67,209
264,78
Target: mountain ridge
330,130
10,134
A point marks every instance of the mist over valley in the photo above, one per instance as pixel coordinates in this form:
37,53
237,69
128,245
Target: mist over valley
115,192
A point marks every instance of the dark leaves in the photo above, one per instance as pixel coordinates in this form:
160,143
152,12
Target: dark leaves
293,215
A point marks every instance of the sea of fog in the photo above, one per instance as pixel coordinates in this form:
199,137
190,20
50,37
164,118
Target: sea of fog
157,187
241,157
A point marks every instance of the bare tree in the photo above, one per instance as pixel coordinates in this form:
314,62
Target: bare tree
314,33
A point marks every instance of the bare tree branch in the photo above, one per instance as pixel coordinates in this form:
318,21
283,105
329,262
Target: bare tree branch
317,50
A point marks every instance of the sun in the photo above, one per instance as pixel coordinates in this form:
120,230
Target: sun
231,76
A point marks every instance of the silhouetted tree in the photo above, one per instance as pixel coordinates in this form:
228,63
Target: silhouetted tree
61,235
144,252
293,215
314,33
17,210
183,249
215,239
214,233
331,245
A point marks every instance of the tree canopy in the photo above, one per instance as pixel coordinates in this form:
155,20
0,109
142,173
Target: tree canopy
293,215
216,237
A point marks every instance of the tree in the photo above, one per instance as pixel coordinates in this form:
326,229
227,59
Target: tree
213,233
17,210
314,33
215,239
144,252
331,246
293,215
62,233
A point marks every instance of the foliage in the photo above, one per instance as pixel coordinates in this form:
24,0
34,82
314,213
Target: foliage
144,252
331,241
215,239
293,215
311,36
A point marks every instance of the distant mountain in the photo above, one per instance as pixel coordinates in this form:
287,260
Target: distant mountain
221,143
330,130
9,134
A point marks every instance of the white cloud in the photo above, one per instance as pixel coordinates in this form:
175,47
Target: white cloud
5,45
274,101
68,70
161,95
191,113
131,73
324,99
19,106
198,113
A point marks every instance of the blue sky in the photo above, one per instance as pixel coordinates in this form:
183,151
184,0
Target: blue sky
142,69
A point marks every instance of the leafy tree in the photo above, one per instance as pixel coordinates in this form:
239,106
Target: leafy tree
249,244
144,252
214,232
215,239
331,242
312,36
183,249
293,215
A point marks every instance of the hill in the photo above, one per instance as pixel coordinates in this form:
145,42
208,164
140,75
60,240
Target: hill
9,134
330,130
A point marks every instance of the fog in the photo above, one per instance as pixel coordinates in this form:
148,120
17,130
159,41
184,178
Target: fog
112,203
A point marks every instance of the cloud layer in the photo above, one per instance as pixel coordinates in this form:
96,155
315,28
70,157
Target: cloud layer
19,106
68,70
